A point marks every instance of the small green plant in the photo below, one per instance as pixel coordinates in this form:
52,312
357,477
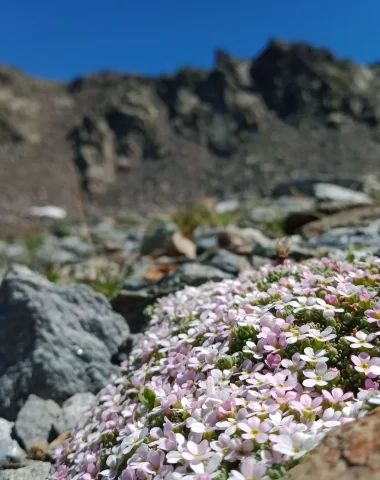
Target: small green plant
53,274
33,241
109,286
274,228
194,216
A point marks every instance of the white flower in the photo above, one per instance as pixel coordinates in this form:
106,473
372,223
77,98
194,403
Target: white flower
249,470
361,340
296,445
318,377
314,357
251,347
328,310
195,422
324,336
303,303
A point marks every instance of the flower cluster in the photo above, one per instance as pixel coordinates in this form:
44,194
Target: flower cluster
238,379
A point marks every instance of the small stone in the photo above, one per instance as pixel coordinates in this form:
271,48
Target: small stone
329,191
135,278
73,409
243,240
10,451
227,262
227,206
158,239
35,421
183,246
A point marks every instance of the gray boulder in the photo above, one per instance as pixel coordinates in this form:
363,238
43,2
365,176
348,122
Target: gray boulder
35,422
55,340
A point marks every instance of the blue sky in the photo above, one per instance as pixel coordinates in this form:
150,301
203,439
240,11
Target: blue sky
60,40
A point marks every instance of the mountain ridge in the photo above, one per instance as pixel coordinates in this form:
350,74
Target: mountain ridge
124,143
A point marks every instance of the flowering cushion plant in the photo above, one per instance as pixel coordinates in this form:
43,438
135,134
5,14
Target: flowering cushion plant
238,379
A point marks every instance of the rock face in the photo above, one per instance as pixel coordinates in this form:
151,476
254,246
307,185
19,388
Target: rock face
137,142
55,341
350,452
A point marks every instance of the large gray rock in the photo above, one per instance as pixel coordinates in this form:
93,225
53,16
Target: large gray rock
34,471
10,451
55,340
35,422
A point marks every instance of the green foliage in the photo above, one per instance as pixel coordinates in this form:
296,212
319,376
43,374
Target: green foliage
198,215
33,241
53,274
148,398
109,285
274,228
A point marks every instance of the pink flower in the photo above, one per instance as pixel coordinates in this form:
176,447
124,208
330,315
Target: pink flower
273,361
332,299
373,314
337,395
364,296
307,405
371,385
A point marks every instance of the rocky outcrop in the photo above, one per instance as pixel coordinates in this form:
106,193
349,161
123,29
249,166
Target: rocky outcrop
350,452
55,340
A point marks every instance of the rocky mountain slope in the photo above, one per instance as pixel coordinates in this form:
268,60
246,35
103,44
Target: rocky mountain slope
132,143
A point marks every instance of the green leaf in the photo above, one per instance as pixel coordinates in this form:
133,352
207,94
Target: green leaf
148,398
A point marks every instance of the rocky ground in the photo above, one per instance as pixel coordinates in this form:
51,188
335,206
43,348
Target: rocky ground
72,296
112,144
